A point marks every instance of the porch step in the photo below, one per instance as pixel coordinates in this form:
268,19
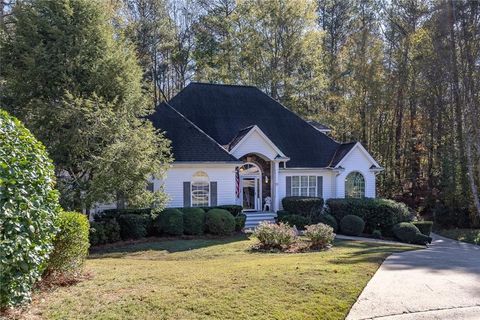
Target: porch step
254,218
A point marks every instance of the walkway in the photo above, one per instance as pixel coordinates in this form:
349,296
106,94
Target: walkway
440,282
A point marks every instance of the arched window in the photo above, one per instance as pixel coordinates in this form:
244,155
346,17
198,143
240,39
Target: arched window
200,190
355,185
249,169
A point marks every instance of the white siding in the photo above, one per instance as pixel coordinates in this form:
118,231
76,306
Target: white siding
328,182
356,161
224,175
255,143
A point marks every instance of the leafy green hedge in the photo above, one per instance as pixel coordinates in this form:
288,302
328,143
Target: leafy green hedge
220,222
240,221
294,220
329,220
308,207
381,214
170,222
425,227
28,206
233,209
70,245
193,221
132,226
407,232
352,225
104,232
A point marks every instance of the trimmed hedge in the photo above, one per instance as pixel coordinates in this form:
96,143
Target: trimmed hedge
381,214
240,221
233,209
97,234
329,220
352,225
220,222
111,229
193,221
170,222
28,210
295,220
304,206
70,244
408,233
132,226
425,227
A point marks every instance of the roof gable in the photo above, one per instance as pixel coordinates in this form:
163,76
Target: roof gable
253,140
350,148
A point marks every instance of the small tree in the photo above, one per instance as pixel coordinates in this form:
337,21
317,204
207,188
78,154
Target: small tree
28,208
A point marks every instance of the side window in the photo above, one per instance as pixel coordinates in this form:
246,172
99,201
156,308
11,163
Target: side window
355,185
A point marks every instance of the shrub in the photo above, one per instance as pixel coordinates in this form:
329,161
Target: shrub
97,234
193,221
220,222
425,227
275,236
381,214
352,225
233,209
240,221
295,220
111,230
453,216
319,234
132,226
407,232
377,234
304,206
170,222
328,219
28,209
70,244
147,213
281,214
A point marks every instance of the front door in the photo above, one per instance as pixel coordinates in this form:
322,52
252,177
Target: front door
250,192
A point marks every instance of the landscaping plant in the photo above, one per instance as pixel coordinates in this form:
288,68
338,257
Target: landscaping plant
275,236
320,235
425,227
70,244
328,219
294,220
132,226
352,225
170,222
220,222
28,211
407,232
193,221
240,221
97,233
304,206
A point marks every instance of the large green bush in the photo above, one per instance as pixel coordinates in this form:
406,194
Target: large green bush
97,234
352,225
328,219
193,221
381,214
28,210
275,236
233,209
294,220
111,229
407,232
70,244
240,221
220,222
308,207
132,226
170,222
320,235
425,227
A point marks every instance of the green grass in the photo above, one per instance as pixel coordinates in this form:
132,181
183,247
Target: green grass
217,279
465,235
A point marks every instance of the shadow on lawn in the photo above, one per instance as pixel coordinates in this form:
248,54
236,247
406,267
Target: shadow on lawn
169,245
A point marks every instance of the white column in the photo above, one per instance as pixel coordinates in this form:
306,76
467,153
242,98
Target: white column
275,185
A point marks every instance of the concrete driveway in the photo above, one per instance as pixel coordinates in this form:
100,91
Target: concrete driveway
440,282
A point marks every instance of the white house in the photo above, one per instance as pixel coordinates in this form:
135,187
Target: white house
236,145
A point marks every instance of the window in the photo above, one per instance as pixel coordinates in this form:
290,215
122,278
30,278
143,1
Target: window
200,190
304,186
355,185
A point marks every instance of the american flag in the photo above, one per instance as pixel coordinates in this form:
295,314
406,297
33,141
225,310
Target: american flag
237,182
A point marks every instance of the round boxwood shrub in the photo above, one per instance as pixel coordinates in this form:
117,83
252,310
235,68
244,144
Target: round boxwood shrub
97,234
132,226
220,222
70,247
329,220
407,232
295,220
111,230
170,222
425,227
304,206
352,225
193,221
233,209
240,221
29,207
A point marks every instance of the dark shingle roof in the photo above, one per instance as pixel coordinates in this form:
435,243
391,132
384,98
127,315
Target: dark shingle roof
318,125
189,143
222,111
341,152
242,133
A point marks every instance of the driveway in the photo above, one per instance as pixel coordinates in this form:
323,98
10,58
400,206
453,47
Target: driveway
440,282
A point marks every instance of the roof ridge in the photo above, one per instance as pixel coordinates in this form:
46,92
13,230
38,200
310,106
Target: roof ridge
222,84
198,129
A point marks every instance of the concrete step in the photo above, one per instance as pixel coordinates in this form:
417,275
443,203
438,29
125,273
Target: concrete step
255,218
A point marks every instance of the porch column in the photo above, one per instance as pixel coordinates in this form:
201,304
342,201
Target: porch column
275,185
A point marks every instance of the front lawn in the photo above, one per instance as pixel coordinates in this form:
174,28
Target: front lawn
465,235
216,279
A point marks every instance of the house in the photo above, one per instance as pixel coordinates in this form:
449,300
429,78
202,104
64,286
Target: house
236,145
